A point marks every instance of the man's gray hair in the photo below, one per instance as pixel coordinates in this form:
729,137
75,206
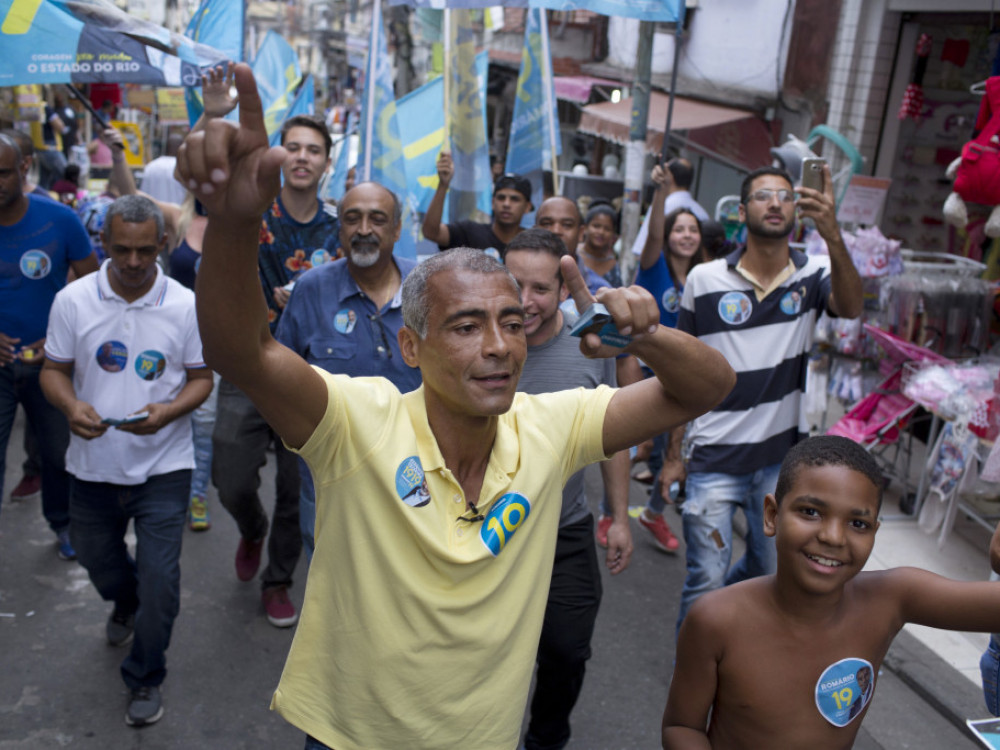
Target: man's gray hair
135,209
416,300
397,205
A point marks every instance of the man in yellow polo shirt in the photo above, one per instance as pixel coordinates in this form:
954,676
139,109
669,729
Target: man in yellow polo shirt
437,511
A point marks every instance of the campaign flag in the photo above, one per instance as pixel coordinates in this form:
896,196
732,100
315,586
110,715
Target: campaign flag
466,121
276,69
534,127
380,152
92,41
304,103
219,24
421,128
337,184
644,10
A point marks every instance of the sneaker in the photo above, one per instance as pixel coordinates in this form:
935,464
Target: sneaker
27,489
145,707
120,628
279,608
66,551
663,536
248,559
198,515
603,524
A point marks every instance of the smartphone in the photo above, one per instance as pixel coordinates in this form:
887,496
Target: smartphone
130,419
812,173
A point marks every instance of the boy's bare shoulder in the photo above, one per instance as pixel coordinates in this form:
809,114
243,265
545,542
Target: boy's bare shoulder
724,607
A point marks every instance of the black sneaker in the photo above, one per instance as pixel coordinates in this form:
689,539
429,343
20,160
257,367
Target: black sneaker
120,628
145,707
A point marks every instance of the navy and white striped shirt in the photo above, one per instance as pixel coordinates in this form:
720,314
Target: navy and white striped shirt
767,343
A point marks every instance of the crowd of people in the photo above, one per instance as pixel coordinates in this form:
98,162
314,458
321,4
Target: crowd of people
430,424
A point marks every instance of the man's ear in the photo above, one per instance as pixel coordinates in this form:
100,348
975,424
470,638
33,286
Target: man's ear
743,213
770,515
409,346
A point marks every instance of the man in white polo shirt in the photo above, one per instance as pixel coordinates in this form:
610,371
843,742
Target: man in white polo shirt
123,352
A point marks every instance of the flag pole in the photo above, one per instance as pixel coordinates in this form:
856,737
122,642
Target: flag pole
446,73
370,86
547,93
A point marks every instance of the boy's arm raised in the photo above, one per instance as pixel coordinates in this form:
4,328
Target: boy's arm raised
693,686
235,175
926,598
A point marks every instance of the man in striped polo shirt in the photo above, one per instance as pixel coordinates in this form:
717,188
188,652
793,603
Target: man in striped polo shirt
758,306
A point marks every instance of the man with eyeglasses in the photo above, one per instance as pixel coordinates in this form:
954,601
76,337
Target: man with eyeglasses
758,306
437,510
511,200
345,316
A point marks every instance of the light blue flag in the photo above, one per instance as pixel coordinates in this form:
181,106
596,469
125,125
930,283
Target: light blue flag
304,103
380,152
276,69
644,10
530,144
336,186
421,128
219,24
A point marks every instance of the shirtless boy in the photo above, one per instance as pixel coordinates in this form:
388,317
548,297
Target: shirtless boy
816,624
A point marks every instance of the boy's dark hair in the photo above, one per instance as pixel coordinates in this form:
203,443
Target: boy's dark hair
748,180
537,239
682,173
827,450
307,121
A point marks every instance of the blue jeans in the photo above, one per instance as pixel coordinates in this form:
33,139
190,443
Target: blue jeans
19,385
150,584
712,499
202,425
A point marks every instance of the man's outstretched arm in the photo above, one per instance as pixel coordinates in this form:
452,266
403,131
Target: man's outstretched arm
235,175
691,378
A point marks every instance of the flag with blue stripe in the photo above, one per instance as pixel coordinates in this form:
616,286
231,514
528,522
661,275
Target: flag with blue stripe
644,10
219,24
278,75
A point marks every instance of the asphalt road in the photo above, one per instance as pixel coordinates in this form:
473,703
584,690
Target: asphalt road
60,686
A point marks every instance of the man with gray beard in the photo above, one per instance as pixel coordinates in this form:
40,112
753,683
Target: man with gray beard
345,316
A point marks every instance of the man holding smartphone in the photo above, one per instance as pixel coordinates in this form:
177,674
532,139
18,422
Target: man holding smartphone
122,342
758,307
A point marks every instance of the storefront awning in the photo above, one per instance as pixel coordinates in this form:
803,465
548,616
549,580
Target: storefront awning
610,120
577,88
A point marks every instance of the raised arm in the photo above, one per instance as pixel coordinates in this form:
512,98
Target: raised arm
653,246
235,175
846,296
434,230
691,378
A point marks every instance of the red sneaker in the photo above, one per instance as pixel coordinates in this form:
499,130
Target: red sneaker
663,536
27,489
603,524
248,559
279,608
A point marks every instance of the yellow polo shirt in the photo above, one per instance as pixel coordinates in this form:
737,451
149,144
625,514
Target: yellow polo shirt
420,630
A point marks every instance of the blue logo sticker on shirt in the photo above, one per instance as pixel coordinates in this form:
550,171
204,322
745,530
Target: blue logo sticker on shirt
36,264
112,356
504,518
150,365
345,320
319,257
411,484
671,300
735,308
791,303
844,689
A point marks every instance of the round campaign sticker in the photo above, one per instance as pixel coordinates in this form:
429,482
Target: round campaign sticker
319,257
112,356
35,264
671,300
735,308
345,320
150,364
791,303
844,689
503,520
411,485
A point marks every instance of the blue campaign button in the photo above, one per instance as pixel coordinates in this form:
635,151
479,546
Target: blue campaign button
503,521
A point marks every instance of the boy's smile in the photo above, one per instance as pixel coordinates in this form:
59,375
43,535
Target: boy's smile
824,527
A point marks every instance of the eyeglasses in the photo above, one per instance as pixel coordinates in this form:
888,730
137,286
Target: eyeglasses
475,517
764,195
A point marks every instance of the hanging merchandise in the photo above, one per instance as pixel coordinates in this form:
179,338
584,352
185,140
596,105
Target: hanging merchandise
913,97
977,171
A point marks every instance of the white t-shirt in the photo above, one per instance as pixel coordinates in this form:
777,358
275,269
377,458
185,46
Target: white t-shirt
126,355
158,181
